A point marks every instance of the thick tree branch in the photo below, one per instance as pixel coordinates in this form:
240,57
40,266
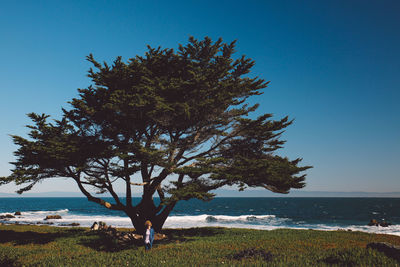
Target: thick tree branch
160,193
97,200
140,184
110,187
166,211
128,184
157,180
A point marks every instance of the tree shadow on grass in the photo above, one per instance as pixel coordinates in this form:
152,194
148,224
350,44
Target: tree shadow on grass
185,235
106,243
103,242
29,237
191,232
6,261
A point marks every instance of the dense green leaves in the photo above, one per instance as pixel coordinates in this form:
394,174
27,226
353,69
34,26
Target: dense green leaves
176,123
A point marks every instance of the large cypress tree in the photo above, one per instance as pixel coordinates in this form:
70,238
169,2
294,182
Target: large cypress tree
173,122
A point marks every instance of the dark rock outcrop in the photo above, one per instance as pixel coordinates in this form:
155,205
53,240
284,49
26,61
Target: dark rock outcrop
53,217
17,213
47,223
382,223
102,226
388,249
7,216
373,222
95,226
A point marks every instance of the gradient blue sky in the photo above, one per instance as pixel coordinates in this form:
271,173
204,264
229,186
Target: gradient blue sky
334,67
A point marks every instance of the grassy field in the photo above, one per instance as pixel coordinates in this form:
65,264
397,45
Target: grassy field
24,245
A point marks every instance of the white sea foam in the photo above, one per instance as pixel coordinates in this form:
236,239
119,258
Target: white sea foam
40,212
266,222
242,221
67,218
262,222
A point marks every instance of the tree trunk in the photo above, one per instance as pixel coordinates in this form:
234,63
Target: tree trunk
147,211
162,217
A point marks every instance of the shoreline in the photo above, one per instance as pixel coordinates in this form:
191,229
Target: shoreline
132,229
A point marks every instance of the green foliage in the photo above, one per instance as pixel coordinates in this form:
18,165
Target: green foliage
51,246
177,122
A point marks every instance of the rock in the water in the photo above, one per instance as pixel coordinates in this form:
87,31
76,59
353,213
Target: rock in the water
53,217
17,213
373,222
388,249
47,223
384,224
7,216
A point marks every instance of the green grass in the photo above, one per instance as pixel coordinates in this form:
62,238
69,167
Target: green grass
24,245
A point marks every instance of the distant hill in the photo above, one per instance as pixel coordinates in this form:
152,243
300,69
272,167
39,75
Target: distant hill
44,194
232,193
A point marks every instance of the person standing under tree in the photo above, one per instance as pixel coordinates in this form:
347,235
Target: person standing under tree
148,235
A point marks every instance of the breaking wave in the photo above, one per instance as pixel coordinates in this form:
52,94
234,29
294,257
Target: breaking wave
262,222
267,222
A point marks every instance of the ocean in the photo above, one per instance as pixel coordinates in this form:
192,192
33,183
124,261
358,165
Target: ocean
256,213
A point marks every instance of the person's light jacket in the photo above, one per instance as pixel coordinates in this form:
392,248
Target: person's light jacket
151,237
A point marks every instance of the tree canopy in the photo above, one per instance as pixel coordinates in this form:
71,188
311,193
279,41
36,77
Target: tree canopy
176,123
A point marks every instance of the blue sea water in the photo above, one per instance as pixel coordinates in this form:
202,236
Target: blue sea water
258,213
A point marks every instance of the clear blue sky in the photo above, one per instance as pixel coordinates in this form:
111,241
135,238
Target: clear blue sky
334,67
